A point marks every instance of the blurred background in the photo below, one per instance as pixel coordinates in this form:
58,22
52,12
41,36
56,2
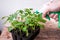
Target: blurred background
10,6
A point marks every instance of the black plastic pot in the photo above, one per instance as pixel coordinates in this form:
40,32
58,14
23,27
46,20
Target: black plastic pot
17,36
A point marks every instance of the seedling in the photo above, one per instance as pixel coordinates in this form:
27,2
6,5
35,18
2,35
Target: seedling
24,21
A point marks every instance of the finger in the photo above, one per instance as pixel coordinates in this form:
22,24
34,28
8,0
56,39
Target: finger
51,15
55,16
44,13
56,19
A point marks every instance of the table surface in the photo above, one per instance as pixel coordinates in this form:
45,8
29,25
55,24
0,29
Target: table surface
48,35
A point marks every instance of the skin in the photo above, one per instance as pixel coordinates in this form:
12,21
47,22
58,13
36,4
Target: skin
6,35
52,6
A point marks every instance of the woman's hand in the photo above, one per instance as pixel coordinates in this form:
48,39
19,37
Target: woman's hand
51,25
51,7
6,35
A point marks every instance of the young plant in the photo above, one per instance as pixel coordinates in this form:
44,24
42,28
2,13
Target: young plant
24,20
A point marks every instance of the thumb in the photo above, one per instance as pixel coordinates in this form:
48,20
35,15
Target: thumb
45,13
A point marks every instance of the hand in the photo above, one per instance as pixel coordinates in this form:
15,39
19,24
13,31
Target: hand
51,25
51,7
6,35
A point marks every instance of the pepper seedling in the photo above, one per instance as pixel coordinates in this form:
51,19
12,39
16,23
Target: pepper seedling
25,19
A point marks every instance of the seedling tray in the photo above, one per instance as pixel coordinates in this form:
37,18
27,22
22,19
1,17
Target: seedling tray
16,35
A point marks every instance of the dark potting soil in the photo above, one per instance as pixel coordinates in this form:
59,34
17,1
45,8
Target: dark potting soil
18,36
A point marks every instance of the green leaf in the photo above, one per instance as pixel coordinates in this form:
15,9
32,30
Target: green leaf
31,25
40,18
10,28
22,16
31,8
41,25
27,33
19,25
14,22
26,14
21,11
27,20
24,28
28,10
4,17
12,17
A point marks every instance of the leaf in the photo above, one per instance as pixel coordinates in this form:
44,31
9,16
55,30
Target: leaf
31,25
22,16
21,11
14,22
31,8
41,25
24,28
10,28
12,17
27,20
28,10
15,15
4,17
27,33
40,18
19,25
26,14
